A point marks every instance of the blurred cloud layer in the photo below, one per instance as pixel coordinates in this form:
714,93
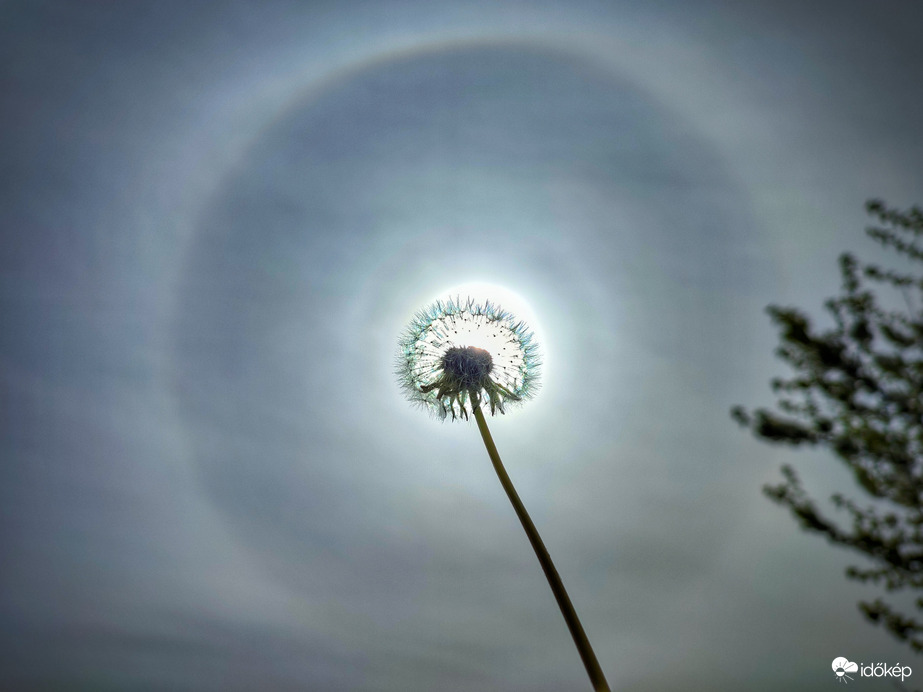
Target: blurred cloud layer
218,218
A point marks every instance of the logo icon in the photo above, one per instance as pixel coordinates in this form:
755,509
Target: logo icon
841,667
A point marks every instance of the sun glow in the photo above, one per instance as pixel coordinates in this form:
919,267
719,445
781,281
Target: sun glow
481,291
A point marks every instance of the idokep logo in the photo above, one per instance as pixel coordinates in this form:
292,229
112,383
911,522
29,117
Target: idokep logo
842,667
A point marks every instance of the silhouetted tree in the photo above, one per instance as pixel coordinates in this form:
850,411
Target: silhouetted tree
858,391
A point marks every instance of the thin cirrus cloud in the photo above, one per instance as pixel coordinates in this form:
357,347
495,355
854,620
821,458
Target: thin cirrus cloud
220,219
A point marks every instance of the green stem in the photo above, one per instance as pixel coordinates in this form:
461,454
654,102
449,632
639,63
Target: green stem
557,586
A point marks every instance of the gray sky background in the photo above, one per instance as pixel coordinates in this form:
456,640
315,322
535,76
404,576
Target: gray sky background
216,220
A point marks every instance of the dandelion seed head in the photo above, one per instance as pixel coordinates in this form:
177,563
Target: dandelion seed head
458,349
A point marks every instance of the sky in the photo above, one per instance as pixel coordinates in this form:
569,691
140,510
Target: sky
216,220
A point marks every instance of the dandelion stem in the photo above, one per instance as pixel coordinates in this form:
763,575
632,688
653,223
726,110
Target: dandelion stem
557,587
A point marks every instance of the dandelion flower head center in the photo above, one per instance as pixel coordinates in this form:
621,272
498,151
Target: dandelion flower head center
469,365
458,354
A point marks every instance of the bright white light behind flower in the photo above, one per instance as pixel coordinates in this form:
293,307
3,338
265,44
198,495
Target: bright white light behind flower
462,324
512,302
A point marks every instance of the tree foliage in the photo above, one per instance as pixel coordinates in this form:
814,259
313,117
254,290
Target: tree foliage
857,390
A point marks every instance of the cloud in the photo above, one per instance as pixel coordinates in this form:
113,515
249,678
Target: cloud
844,664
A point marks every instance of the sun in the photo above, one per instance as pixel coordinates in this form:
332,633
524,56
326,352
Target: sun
512,302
